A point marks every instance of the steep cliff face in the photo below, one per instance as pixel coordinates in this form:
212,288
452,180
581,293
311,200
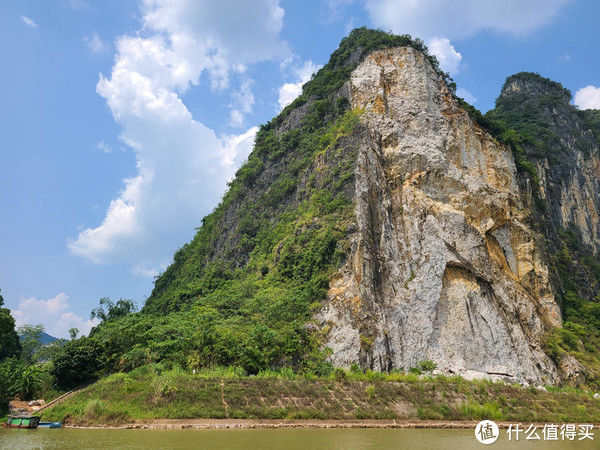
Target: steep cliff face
564,150
444,265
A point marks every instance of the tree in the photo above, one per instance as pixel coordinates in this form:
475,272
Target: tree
9,339
18,380
7,371
109,310
31,342
76,363
73,332
26,382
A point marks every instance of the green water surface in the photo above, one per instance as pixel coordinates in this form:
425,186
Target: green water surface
346,439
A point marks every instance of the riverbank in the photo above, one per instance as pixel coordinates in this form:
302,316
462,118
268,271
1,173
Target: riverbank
220,424
226,424
145,397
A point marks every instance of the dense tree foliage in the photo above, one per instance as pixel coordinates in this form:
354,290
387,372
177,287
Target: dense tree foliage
19,378
77,362
10,348
9,339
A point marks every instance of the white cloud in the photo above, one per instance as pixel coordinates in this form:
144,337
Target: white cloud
29,22
462,18
289,91
236,117
94,43
54,314
444,51
104,147
236,149
182,165
243,101
466,95
588,97
217,35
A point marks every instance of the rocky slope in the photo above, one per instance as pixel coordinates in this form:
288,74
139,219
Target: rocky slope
443,265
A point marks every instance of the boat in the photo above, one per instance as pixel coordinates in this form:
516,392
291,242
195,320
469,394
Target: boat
22,422
50,425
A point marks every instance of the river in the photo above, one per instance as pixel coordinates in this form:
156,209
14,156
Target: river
305,439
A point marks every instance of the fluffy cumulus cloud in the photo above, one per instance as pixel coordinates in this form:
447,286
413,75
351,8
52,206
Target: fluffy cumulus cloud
588,97
289,91
54,314
182,165
444,51
217,35
462,18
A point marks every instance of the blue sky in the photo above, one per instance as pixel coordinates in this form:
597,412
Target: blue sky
123,120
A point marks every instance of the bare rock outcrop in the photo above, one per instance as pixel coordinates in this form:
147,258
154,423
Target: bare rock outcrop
443,265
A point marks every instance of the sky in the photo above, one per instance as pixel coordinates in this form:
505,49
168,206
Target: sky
122,121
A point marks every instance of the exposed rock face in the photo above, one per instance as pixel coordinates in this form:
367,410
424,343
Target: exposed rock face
443,265
568,163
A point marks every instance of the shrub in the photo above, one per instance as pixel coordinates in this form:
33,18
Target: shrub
340,374
427,366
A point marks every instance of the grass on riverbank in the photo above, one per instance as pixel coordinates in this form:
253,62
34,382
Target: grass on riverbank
148,393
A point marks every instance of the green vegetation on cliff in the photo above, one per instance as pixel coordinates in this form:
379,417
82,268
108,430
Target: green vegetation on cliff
578,282
591,119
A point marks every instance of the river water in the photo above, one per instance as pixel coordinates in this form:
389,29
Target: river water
305,439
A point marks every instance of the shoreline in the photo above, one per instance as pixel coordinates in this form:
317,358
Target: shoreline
223,424
176,401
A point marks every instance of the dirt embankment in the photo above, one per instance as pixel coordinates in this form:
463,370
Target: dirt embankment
223,424
178,400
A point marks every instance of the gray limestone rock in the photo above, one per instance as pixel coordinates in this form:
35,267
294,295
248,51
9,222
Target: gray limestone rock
443,265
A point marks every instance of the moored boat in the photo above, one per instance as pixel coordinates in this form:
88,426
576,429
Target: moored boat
50,425
22,422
